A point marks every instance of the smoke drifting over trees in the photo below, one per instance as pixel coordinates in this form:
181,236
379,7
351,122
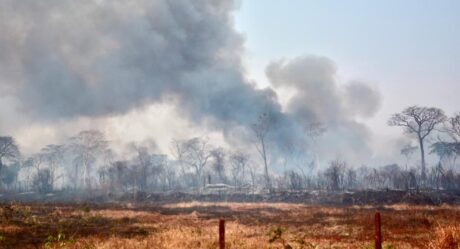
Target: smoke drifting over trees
64,60
61,61
319,98
87,164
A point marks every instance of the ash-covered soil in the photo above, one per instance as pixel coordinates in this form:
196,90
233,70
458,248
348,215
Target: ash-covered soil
344,198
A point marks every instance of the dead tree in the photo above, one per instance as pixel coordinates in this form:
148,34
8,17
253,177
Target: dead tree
143,165
407,152
420,121
261,130
451,148
335,174
53,156
43,181
218,163
34,165
238,162
86,146
453,127
194,154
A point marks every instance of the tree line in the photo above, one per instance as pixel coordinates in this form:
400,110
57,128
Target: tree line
87,161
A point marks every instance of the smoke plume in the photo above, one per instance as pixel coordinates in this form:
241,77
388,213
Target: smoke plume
63,59
320,98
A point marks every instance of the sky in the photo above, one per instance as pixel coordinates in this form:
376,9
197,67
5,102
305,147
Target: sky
159,70
409,49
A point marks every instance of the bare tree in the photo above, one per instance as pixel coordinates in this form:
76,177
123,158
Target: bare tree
43,181
170,175
218,163
436,174
34,165
252,169
261,130
389,174
118,176
238,162
86,146
143,164
8,151
407,152
43,166
335,174
103,172
351,178
450,149
313,131
453,127
159,164
420,121
53,155
193,153
294,180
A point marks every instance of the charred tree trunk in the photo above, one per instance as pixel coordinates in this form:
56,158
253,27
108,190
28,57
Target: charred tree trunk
422,155
267,176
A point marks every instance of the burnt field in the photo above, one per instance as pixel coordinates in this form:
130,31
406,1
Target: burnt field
314,197
248,225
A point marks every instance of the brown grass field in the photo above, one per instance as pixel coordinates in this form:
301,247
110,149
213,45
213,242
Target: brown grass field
256,225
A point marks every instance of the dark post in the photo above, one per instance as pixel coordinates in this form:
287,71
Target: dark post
378,234
221,234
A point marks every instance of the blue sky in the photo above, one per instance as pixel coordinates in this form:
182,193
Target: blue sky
409,49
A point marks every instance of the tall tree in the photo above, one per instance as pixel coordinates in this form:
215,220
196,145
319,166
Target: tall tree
8,151
420,121
193,153
238,161
218,163
335,174
53,155
142,165
86,146
453,128
33,164
261,130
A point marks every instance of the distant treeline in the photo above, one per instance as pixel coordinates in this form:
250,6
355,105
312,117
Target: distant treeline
87,162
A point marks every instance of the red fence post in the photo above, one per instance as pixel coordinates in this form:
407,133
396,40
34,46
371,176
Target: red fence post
378,234
221,234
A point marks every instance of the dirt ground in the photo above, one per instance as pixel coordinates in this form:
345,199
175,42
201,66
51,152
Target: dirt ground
195,225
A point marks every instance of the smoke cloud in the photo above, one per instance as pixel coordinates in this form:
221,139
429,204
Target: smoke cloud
320,98
63,59
94,58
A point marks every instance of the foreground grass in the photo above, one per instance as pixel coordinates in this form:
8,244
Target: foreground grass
194,225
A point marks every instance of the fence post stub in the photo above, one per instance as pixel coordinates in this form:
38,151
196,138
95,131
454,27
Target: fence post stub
221,234
378,233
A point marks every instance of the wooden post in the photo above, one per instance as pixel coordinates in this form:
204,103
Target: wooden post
378,234
221,234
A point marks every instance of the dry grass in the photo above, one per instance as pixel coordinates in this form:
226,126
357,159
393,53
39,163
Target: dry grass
194,225
447,237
